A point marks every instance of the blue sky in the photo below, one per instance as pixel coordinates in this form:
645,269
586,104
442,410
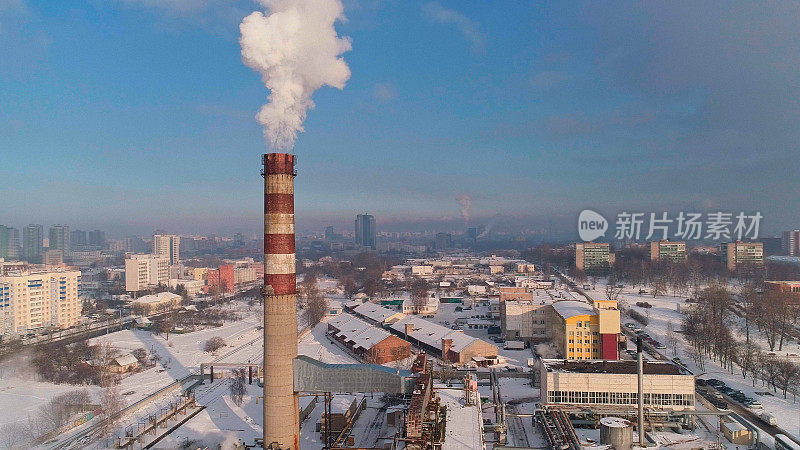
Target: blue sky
132,115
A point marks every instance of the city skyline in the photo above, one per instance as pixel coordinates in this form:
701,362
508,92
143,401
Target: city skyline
535,117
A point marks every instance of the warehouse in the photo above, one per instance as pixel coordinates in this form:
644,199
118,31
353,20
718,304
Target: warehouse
376,314
456,346
374,345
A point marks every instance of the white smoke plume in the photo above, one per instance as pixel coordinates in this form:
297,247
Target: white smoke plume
466,204
295,48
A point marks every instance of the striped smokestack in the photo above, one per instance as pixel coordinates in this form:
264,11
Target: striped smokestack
281,424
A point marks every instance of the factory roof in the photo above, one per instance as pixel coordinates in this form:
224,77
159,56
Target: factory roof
360,333
572,308
620,367
432,334
375,312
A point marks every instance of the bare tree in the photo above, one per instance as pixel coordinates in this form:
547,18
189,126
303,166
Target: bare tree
317,308
419,293
788,374
214,344
671,340
111,403
749,357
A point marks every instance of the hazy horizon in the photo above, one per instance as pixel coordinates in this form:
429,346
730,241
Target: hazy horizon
134,115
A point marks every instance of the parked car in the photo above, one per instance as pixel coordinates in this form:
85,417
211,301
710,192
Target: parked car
768,418
630,325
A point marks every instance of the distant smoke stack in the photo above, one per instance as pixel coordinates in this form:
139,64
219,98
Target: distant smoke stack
466,203
281,422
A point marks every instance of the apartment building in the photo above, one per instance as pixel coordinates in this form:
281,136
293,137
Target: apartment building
790,243
581,331
31,300
167,245
742,255
593,258
145,271
668,251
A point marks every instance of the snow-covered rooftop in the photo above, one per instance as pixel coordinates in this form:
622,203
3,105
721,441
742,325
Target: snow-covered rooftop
572,308
432,333
357,331
375,312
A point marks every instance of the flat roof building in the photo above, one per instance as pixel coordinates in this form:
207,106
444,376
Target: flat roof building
593,258
30,300
614,384
671,251
738,256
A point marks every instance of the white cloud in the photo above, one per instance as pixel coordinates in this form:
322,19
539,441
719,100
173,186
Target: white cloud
435,12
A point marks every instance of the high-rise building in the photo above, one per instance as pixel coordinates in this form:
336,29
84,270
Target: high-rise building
53,258
97,239
30,300
167,245
668,251
9,243
593,258
329,233
443,241
32,239
365,230
238,240
145,271
59,238
791,243
135,244
742,255
77,240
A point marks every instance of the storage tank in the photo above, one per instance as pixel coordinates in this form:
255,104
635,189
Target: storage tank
616,432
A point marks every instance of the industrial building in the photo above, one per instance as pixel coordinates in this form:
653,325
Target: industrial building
373,313
581,331
451,345
671,251
613,384
525,320
31,300
372,344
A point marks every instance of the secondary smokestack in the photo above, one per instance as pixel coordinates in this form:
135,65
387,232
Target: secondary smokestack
640,380
281,423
